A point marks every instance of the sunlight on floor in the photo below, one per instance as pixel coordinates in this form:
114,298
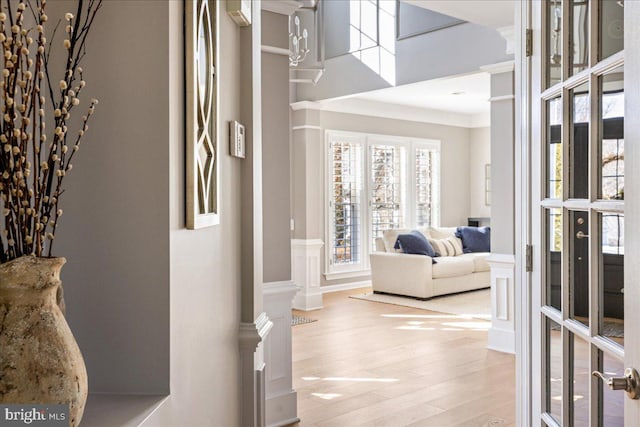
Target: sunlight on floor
465,323
474,326
422,316
352,379
414,328
326,396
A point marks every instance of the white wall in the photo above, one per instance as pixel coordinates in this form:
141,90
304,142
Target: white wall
479,156
146,297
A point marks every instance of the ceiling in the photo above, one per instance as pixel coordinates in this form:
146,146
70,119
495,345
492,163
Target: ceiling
467,94
491,13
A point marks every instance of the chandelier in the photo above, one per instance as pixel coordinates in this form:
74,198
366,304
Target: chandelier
297,53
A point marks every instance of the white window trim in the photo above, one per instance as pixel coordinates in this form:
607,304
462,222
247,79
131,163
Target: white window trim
363,268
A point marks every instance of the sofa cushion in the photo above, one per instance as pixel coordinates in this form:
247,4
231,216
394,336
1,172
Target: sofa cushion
475,239
480,263
414,243
389,238
451,246
452,266
440,232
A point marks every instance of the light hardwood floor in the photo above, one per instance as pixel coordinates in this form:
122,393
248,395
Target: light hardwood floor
369,364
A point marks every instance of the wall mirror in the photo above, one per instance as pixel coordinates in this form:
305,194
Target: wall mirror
202,171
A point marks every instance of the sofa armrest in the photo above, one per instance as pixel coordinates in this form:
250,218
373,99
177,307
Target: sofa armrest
402,274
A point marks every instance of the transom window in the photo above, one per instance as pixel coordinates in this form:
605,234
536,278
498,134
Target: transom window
376,183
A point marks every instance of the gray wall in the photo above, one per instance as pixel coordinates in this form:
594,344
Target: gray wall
146,297
502,166
115,231
479,156
275,154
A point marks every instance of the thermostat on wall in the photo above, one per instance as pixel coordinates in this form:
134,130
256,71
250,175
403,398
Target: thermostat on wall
240,11
236,139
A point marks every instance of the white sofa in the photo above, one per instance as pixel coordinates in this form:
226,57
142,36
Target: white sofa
394,272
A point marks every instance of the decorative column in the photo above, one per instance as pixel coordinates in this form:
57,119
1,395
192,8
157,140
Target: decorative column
502,333
281,398
503,230
305,264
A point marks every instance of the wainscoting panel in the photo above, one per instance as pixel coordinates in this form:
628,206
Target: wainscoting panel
502,332
305,265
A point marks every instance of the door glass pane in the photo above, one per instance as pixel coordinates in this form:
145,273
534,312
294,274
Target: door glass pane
580,35
581,382
387,189
579,147
554,258
554,42
611,402
579,266
612,267
612,135
611,27
553,371
554,148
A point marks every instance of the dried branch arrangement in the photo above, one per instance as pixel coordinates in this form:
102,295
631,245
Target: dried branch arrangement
36,146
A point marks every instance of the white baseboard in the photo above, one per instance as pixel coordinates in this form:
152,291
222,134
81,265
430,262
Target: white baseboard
502,340
345,286
305,301
282,410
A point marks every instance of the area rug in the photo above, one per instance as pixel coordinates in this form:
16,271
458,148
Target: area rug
474,304
299,320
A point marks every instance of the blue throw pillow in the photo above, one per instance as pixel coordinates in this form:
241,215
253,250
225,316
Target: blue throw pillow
415,243
475,239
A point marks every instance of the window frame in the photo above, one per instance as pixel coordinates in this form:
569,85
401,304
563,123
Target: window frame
367,140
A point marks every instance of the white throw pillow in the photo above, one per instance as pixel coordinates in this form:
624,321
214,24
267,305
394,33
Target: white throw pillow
451,246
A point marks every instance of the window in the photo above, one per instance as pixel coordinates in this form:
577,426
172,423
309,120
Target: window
376,183
345,204
386,189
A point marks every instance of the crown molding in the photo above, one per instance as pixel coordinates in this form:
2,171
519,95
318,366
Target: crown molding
283,7
509,34
306,105
500,67
396,112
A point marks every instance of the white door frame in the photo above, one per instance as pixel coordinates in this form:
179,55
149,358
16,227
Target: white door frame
522,212
632,197
526,383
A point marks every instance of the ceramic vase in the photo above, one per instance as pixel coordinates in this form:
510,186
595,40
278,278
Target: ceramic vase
40,362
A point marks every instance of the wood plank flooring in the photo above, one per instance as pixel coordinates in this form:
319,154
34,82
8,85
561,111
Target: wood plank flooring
370,364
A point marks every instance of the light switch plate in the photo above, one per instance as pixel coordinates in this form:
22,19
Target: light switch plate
236,139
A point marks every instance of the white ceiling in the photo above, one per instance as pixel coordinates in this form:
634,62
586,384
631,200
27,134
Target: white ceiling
491,13
467,94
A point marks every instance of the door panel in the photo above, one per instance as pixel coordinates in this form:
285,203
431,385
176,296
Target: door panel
578,210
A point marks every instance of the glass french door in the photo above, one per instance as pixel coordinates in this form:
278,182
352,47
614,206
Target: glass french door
578,213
